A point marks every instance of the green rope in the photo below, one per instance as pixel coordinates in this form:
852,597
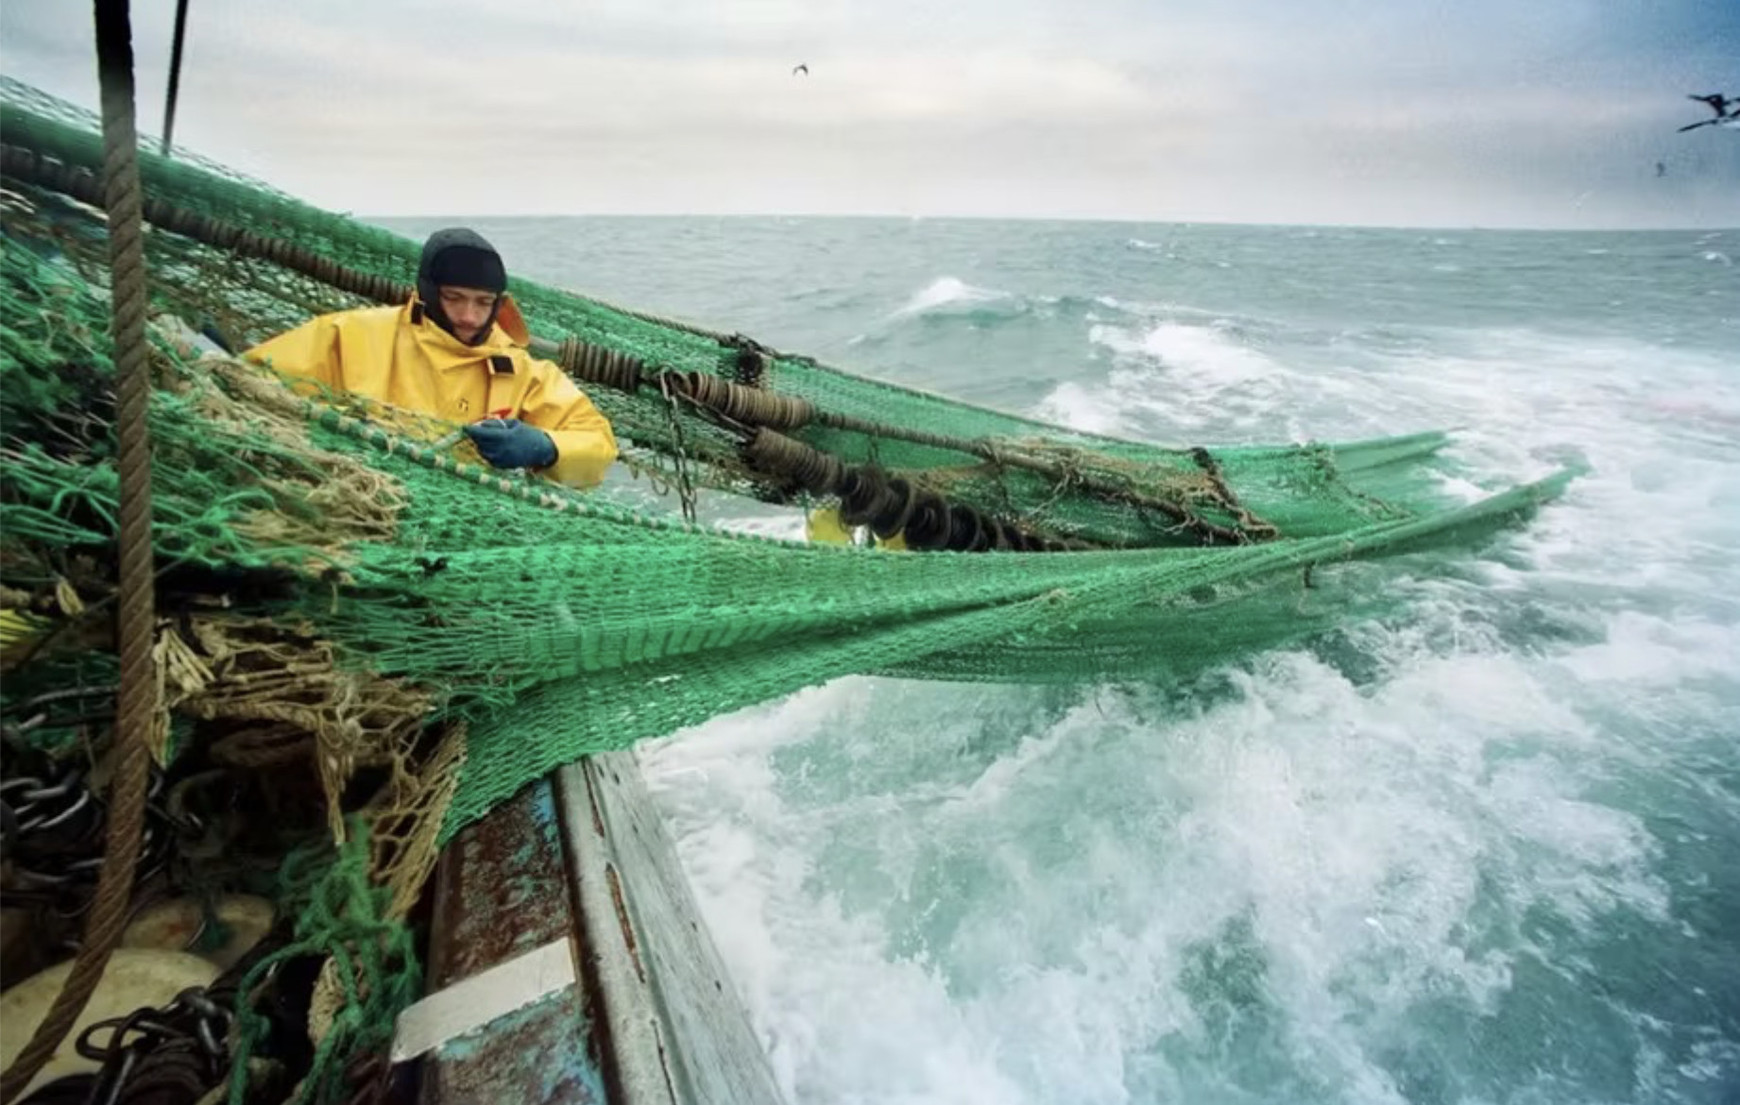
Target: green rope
342,917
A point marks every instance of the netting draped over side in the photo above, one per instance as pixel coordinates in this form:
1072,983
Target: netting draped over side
1301,491
554,623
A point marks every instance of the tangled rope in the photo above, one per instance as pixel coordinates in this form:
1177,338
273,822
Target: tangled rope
1254,528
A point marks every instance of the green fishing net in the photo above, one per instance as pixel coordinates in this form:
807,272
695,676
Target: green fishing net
557,623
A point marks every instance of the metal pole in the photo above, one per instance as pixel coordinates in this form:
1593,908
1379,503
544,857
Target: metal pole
174,76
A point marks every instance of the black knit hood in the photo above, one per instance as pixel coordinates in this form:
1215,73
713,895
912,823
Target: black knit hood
458,257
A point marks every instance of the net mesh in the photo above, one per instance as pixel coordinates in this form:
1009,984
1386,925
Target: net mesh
409,588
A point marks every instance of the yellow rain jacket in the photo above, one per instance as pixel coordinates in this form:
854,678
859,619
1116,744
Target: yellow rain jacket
395,355
829,528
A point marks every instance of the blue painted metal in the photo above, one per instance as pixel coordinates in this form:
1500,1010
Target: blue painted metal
537,1054
500,891
652,1018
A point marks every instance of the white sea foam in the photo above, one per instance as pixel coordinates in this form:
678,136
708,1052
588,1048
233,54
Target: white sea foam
1338,838
948,291
1278,885
1197,378
785,524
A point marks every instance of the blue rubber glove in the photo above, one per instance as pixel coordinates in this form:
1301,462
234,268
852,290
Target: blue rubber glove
510,443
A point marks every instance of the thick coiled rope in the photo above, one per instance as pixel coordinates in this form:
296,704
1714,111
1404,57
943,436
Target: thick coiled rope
137,701
811,469
597,365
744,405
892,505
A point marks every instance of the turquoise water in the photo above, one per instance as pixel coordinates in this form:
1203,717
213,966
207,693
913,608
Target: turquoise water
1488,852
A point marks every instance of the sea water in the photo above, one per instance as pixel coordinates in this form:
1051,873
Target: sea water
1485,852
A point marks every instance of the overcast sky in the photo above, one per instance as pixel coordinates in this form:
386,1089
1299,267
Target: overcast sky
1532,113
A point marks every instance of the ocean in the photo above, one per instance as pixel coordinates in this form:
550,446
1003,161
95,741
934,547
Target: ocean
1487,852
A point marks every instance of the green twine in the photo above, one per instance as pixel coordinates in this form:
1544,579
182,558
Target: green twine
341,916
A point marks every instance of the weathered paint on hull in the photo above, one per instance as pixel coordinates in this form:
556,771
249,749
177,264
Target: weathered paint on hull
648,1016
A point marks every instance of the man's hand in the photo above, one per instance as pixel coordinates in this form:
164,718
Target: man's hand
510,443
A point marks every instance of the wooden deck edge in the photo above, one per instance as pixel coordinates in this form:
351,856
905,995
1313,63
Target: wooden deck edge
647,1016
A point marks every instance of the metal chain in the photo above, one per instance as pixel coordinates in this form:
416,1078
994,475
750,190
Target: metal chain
183,1042
679,451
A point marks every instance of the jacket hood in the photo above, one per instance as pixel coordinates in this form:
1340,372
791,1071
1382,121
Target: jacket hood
476,256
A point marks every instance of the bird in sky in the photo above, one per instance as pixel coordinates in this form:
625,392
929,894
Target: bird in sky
1727,112
1718,102
800,68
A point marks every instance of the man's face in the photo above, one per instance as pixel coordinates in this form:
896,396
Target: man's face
468,309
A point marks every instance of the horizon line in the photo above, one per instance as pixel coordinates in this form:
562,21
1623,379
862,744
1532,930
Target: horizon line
1120,219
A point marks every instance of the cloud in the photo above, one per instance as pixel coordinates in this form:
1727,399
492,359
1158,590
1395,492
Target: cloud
1485,112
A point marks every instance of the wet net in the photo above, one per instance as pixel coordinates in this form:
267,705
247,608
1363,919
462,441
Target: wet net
336,587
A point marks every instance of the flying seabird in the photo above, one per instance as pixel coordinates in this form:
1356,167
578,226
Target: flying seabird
800,68
1727,112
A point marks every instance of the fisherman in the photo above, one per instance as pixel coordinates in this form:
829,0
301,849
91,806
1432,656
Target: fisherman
457,351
